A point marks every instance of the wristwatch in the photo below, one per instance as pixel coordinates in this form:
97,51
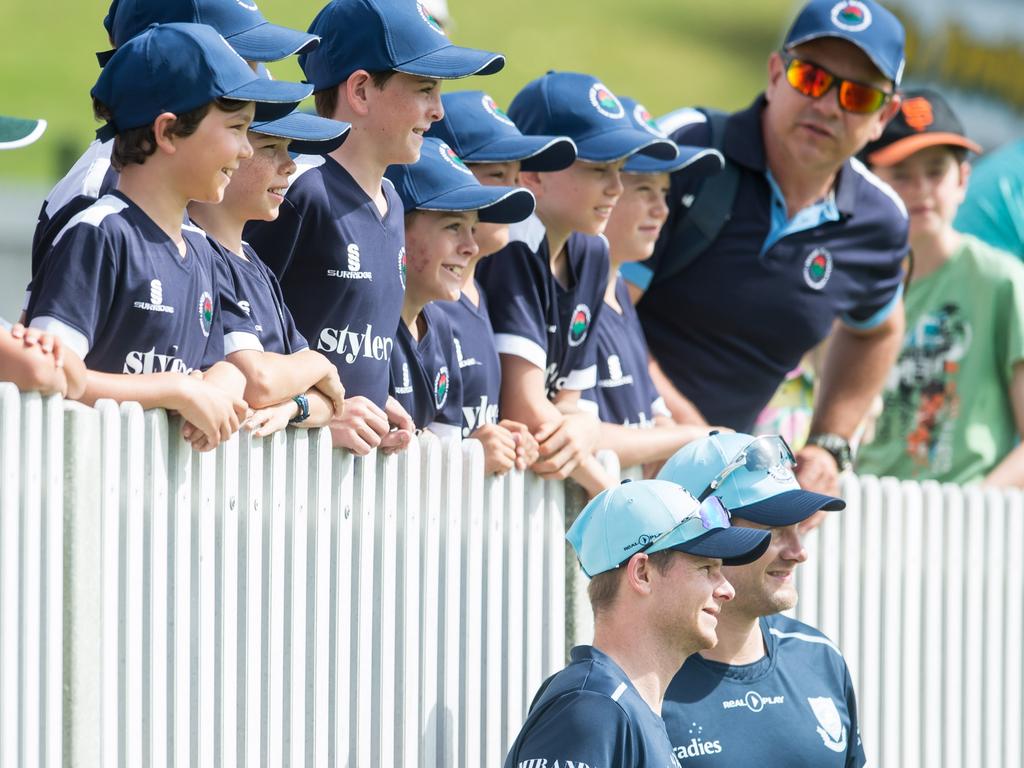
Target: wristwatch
303,402
837,446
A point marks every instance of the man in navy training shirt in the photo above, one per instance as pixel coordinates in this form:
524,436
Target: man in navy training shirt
774,691
813,238
654,555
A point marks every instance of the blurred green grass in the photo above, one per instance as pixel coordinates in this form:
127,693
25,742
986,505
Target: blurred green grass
666,53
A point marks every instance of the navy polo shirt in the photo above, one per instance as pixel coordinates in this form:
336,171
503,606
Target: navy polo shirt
728,327
795,707
537,318
342,270
590,714
479,366
259,295
625,393
117,291
425,375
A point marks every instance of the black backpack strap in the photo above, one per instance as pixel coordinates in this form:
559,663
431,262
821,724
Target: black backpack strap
711,209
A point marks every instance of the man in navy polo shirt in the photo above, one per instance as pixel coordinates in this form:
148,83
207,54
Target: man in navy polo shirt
813,238
654,555
773,691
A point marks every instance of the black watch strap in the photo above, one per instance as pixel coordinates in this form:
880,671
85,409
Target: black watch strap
837,446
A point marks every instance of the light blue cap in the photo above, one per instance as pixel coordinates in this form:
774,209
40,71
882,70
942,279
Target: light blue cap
770,496
620,521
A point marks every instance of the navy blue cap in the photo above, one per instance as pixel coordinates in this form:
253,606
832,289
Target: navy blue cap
480,132
383,35
310,134
440,181
701,161
239,21
769,496
180,67
581,107
867,24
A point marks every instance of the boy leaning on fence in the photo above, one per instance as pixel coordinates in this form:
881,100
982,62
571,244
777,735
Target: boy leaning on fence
338,246
142,298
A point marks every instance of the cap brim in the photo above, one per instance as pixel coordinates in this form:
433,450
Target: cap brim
696,161
269,42
901,149
788,507
453,62
535,153
17,132
310,135
274,98
857,41
733,546
607,146
496,205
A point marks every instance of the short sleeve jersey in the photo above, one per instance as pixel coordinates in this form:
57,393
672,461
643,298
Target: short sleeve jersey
625,393
342,270
537,318
947,412
115,288
259,296
590,714
730,325
794,707
477,356
425,375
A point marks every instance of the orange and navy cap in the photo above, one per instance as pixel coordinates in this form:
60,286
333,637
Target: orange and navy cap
925,120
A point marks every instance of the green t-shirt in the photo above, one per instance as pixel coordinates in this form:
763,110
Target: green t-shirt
947,413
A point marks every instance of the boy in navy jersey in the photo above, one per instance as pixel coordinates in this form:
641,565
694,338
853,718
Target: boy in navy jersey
338,246
287,382
773,691
625,395
242,25
443,202
494,150
545,289
126,285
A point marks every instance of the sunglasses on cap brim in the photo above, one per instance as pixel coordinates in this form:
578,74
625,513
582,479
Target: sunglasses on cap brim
761,454
710,514
814,81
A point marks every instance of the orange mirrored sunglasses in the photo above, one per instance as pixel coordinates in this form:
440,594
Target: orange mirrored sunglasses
815,81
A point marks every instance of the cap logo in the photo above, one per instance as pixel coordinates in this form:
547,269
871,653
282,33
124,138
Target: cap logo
851,15
918,113
818,268
605,102
441,387
429,18
492,108
452,159
205,312
247,6
402,266
645,120
579,325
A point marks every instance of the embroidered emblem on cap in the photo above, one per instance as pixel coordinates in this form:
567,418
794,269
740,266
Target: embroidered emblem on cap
646,121
495,111
851,15
917,111
818,268
429,18
606,102
452,159
247,6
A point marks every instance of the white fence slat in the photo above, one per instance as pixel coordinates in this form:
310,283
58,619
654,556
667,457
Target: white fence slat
891,614
250,601
53,580
908,674
204,596
410,588
10,561
31,577
849,521
994,622
275,491
319,665
553,599
829,561
513,601
157,624
871,620
973,647
493,660
533,609
952,673
297,626
179,575
1013,605
343,570
430,605
365,508
227,520
469,705
934,525
386,610
807,579
450,659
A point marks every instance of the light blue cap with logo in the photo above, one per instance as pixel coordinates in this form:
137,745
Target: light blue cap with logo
626,519
768,495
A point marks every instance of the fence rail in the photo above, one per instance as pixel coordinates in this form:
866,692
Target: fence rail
278,602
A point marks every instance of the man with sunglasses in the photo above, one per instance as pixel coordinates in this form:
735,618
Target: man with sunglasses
731,303
654,556
773,691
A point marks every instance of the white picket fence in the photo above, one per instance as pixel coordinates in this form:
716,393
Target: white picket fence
280,603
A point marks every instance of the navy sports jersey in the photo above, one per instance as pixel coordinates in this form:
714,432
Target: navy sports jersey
590,714
479,366
795,707
540,320
728,327
624,393
425,375
342,270
259,295
117,291
89,179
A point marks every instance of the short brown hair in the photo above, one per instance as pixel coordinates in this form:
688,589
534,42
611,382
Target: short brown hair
604,587
326,100
136,144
